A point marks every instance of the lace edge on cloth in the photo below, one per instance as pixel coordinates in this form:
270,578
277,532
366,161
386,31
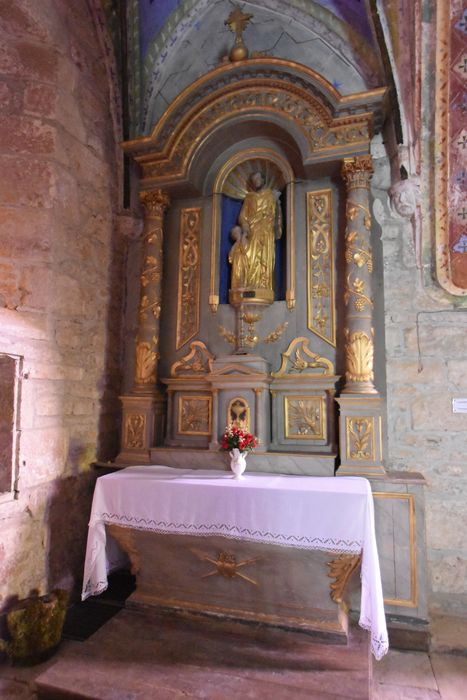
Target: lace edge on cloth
90,589
379,644
235,533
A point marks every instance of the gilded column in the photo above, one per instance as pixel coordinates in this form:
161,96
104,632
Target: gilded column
358,329
143,408
360,405
147,344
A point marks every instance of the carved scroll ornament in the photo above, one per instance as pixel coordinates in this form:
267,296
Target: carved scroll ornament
197,361
299,358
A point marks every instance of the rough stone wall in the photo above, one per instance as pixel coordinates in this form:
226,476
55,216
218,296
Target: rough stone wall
59,260
426,365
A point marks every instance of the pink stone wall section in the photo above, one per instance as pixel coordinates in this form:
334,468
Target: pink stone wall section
60,260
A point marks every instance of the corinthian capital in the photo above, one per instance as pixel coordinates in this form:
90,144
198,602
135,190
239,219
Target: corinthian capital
357,172
154,202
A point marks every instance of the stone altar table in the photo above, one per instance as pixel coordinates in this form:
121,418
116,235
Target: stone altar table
262,511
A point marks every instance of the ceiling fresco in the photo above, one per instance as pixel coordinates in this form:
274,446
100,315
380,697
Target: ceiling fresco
171,43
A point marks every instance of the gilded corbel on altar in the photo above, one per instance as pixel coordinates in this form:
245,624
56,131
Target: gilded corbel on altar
341,569
320,265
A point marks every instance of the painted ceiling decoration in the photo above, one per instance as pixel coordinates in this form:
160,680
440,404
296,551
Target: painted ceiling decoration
171,43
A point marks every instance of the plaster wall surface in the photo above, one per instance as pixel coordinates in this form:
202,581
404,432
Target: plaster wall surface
426,368
58,257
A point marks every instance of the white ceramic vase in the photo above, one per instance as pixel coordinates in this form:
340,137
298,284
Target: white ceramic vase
237,462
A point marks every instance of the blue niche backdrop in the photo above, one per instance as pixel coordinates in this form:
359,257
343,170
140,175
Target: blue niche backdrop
230,211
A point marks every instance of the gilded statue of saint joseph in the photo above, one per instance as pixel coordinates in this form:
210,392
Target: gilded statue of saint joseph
252,255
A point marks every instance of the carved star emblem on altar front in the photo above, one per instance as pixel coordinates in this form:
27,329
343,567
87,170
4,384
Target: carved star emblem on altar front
227,566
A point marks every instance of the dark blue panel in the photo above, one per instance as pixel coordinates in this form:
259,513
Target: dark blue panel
230,211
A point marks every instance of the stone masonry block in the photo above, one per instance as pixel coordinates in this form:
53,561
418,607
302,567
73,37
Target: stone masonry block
446,523
11,97
433,412
26,135
449,573
27,182
15,20
457,373
40,99
25,233
402,371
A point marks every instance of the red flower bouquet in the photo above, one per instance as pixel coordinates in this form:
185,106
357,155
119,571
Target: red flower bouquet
235,437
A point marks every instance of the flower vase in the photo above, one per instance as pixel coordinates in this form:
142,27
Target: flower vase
237,462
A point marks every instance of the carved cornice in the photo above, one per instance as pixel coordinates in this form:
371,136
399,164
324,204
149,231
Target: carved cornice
325,123
357,172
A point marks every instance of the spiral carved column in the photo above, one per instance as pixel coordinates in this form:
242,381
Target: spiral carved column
143,408
360,404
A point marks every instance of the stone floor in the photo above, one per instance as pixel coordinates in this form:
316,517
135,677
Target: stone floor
133,658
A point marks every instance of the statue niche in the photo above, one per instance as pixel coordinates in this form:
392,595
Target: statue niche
257,253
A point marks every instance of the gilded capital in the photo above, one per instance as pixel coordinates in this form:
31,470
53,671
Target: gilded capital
154,202
356,172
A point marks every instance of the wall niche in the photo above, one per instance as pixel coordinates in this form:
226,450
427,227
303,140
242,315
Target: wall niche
9,401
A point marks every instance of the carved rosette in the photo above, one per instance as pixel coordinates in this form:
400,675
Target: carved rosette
154,205
357,173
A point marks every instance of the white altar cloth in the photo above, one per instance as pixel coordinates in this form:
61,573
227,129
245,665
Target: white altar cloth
326,513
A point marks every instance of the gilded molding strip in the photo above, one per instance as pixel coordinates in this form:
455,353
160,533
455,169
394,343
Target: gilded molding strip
320,265
188,276
411,602
194,415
